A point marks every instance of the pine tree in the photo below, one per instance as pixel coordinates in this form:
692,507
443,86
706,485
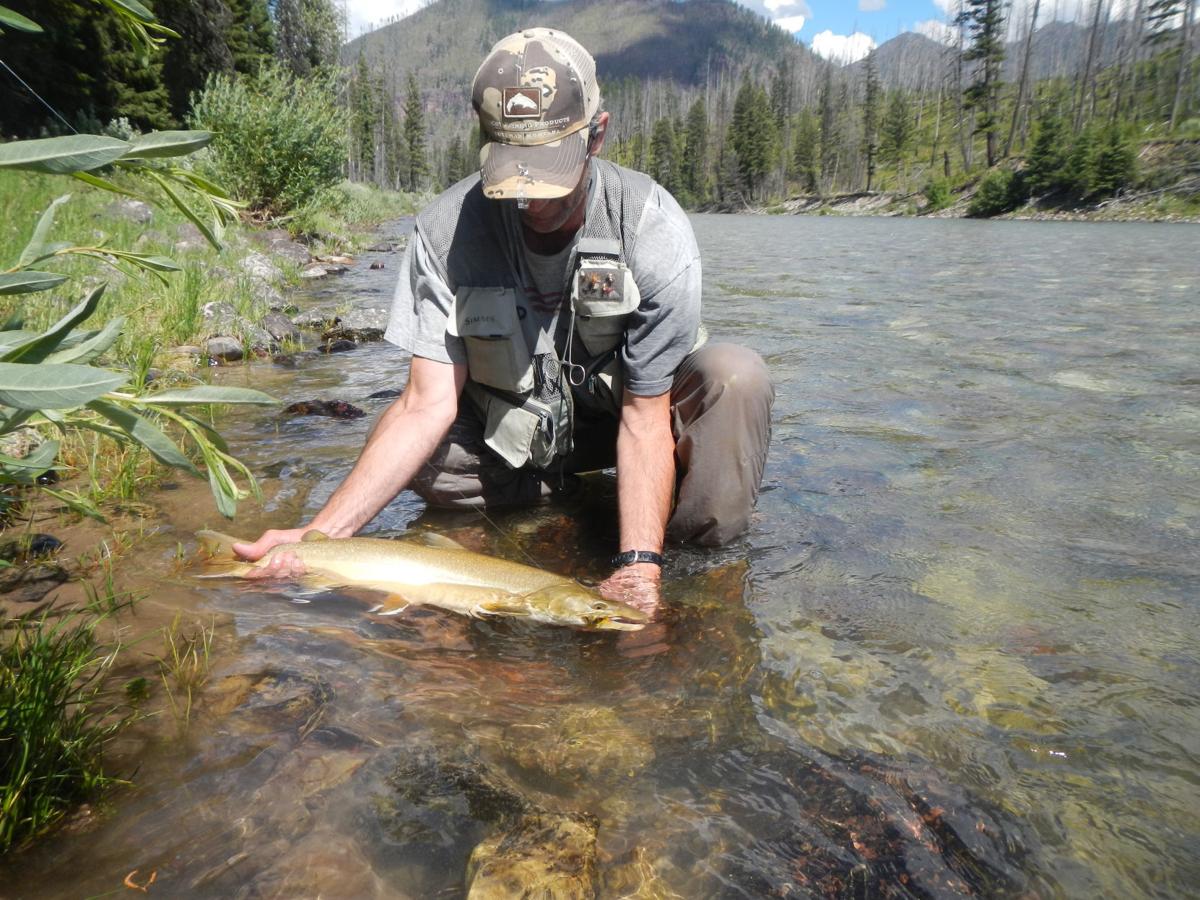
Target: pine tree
1079,169
200,51
134,81
830,137
897,132
695,154
364,121
985,21
1115,166
414,137
754,136
308,34
664,164
251,35
1044,163
871,117
806,155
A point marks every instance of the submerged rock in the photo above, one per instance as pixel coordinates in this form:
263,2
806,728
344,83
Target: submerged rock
578,744
31,583
338,345
542,856
272,701
335,409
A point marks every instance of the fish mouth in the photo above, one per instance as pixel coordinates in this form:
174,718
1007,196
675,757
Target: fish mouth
617,623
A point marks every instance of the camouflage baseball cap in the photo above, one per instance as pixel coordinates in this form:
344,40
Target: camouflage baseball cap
535,94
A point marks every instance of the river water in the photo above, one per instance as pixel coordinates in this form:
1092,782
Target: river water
956,654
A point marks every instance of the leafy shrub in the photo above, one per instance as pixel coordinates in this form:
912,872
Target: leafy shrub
995,195
937,194
280,141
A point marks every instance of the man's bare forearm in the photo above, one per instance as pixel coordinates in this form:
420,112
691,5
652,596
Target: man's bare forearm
645,471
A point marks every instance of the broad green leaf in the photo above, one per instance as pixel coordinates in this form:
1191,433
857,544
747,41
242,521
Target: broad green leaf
43,345
74,501
226,505
27,469
145,433
10,339
209,432
54,385
142,261
158,144
209,232
208,394
63,155
204,184
134,8
34,248
19,22
105,185
29,282
92,348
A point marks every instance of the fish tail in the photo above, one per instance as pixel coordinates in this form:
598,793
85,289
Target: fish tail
219,558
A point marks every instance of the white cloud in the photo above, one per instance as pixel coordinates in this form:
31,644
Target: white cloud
871,5
843,48
790,23
936,30
363,14
775,6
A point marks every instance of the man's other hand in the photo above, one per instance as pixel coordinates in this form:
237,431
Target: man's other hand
637,585
281,565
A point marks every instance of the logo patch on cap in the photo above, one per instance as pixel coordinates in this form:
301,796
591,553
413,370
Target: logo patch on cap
522,103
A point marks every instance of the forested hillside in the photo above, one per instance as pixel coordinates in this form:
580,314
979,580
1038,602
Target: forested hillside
727,110
722,107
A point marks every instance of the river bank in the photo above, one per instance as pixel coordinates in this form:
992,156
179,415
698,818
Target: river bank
85,616
1155,206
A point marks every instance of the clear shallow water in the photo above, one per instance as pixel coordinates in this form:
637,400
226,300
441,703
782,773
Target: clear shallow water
956,655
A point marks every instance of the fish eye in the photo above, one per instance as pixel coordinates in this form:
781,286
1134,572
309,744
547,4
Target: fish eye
598,605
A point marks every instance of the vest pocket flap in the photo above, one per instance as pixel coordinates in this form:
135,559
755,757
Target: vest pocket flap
484,312
509,431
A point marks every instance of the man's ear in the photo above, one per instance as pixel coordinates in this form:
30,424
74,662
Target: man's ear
597,140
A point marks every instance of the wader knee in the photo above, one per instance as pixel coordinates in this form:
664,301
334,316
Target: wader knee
721,409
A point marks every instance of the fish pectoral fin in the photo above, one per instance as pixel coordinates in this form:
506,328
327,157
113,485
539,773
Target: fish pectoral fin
391,605
502,604
314,535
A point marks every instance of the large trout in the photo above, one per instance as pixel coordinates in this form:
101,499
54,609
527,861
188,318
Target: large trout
438,573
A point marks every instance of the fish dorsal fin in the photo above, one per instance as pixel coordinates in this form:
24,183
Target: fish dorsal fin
437,541
314,535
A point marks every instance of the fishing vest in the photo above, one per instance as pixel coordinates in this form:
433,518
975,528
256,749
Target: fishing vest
526,395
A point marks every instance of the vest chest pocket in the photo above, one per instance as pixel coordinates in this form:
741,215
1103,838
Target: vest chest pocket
486,319
603,294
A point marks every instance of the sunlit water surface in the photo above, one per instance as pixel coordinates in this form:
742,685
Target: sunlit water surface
956,654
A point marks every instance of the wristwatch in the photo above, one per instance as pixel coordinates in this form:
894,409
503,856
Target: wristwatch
629,557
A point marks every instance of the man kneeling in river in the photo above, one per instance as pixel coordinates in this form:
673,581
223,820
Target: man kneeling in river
551,304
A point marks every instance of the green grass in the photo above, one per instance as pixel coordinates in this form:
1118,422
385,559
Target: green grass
56,718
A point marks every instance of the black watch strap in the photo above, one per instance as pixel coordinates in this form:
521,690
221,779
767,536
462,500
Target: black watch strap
629,557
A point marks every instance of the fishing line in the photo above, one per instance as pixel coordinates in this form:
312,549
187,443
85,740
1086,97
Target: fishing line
40,98
482,510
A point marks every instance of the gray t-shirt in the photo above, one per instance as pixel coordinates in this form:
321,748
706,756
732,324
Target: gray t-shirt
666,267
